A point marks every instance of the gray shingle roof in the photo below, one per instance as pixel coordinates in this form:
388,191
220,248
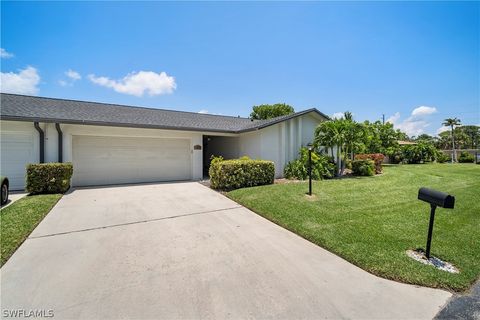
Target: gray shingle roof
29,108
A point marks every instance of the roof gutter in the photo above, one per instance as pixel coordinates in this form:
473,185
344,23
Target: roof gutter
42,141
113,124
60,142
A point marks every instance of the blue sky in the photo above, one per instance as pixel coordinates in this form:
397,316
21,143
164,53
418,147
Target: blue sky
415,62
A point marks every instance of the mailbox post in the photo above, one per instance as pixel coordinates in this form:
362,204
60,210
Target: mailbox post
430,229
434,198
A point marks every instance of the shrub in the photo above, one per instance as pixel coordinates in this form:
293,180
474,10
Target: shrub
363,167
419,153
48,177
235,174
322,166
466,157
348,164
442,157
376,157
396,156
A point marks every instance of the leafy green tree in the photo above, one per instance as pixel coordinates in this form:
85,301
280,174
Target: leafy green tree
452,123
473,136
381,138
444,140
425,137
268,111
419,153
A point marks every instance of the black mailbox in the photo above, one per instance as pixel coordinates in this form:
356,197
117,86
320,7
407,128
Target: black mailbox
436,198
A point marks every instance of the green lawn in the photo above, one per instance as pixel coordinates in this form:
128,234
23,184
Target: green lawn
19,219
372,221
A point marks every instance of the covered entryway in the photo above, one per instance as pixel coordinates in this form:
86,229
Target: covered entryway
226,147
101,160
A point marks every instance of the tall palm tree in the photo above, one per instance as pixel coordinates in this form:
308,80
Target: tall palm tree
452,122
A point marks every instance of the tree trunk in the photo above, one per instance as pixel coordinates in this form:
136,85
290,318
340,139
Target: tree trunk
339,161
454,153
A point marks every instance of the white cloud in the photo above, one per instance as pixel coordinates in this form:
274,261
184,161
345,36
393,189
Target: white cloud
423,111
203,111
74,75
412,127
442,129
394,119
23,82
4,54
337,115
416,123
139,83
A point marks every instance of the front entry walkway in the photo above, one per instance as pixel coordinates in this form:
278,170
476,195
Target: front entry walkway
181,250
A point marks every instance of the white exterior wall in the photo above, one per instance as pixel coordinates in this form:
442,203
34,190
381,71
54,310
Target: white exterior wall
9,128
279,143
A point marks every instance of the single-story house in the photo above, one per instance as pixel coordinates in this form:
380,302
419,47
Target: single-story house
114,144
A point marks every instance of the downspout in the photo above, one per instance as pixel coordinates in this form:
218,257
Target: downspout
60,142
42,142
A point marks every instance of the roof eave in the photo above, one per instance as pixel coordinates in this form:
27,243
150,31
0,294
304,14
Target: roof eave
112,124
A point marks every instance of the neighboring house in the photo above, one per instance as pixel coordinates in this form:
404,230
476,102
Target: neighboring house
110,144
406,143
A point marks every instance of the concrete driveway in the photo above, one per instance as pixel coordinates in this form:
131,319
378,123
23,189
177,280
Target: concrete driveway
181,250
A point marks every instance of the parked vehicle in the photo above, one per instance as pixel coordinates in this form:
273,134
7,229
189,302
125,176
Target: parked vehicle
5,190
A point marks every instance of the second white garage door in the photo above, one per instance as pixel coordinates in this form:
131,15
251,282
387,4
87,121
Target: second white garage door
112,160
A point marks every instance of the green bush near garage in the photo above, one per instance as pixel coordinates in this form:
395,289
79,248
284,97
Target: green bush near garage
240,173
48,177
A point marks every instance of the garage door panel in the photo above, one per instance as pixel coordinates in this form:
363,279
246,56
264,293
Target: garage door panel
110,160
17,150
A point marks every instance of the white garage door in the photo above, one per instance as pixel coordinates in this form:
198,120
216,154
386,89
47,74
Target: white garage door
17,151
111,160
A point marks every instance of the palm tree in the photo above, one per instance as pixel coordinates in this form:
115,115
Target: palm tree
452,122
347,115
353,134
324,136
331,134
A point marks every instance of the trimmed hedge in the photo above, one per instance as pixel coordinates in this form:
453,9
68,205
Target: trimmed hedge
376,157
240,173
363,167
48,177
